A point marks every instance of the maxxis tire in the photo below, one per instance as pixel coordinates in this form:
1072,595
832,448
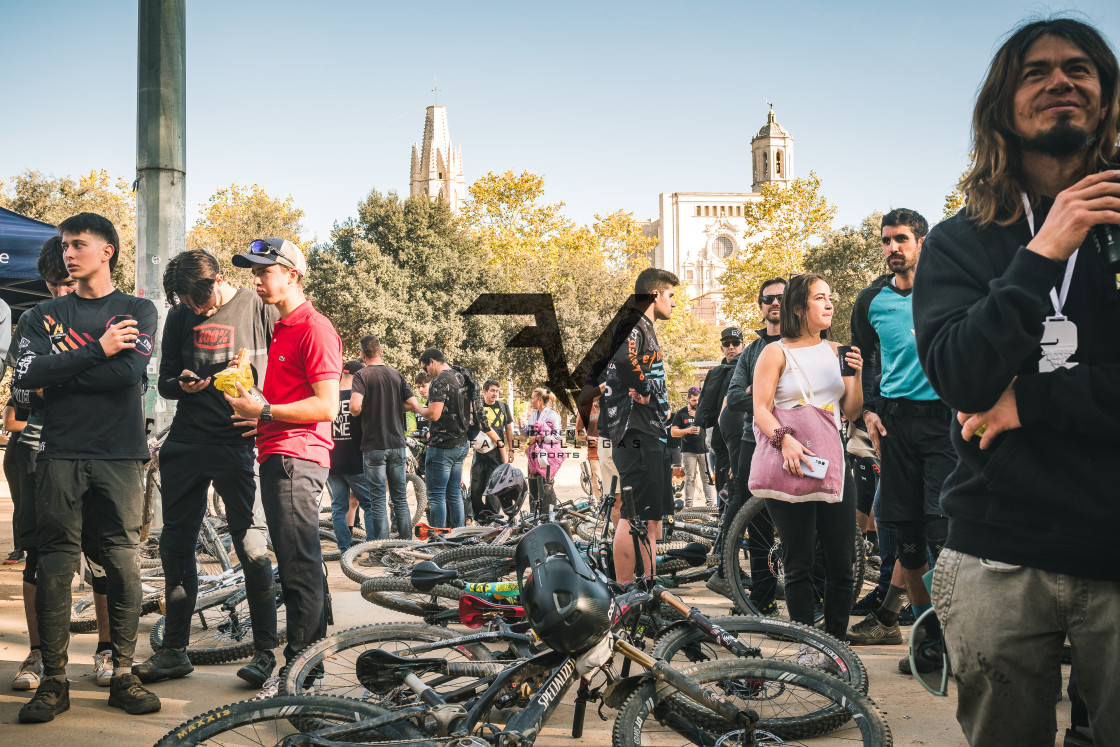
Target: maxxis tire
447,558
284,710
778,639
420,490
399,595
835,704
337,654
733,552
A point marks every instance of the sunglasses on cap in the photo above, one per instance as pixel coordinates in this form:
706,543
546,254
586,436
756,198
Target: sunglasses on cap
260,246
772,298
694,390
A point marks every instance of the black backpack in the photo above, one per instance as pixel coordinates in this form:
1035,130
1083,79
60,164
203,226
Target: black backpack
711,396
472,395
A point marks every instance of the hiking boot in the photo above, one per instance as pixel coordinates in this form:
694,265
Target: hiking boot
103,668
258,669
719,585
927,657
769,609
871,632
30,672
870,603
269,689
127,693
15,556
165,664
51,699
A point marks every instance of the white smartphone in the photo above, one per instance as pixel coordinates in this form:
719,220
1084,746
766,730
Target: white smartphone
817,467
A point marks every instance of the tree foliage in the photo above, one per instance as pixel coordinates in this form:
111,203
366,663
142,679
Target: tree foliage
849,258
234,216
685,339
781,228
529,246
54,199
404,270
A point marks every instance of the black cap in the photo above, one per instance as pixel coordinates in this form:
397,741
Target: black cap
352,367
733,333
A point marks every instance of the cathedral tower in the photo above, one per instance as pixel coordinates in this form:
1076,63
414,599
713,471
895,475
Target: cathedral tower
437,168
772,154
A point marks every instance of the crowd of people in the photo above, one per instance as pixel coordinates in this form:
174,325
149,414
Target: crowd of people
969,428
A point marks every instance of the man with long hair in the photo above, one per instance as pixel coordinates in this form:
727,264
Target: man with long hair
1016,314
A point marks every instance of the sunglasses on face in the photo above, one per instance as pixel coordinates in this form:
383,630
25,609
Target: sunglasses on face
730,344
771,299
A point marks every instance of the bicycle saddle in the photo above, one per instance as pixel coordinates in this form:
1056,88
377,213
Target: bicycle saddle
693,553
381,671
475,611
426,575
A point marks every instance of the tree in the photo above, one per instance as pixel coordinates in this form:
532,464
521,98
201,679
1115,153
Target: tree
530,247
684,339
954,201
781,228
234,216
53,200
849,258
404,270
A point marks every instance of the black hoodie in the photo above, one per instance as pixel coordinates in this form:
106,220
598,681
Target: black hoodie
1044,495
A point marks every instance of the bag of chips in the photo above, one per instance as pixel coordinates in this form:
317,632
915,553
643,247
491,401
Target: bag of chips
239,370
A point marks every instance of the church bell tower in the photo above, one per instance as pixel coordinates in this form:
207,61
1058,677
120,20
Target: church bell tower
771,155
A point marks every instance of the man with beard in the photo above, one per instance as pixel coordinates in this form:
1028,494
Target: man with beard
1016,309
908,426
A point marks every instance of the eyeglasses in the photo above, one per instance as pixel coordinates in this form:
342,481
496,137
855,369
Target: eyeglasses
260,246
767,300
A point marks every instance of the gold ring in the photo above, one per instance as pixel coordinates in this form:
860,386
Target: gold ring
980,429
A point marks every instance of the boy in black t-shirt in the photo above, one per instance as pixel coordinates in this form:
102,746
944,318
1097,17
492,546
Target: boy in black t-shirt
89,351
448,411
694,451
500,420
209,322
347,473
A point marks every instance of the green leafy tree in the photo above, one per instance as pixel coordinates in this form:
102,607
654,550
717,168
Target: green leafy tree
54,199
781,228
850,259
404,270
685,339
234,216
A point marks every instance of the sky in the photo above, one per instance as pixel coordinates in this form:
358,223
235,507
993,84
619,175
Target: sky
612,102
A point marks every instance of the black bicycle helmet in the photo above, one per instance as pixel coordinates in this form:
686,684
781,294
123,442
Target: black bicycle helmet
507,485
567,603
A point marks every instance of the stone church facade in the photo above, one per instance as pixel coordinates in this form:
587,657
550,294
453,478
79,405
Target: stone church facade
437,167
698,232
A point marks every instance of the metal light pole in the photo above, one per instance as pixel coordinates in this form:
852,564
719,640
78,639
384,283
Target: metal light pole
161,106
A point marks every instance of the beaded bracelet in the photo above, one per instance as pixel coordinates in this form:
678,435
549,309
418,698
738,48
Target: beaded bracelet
779,434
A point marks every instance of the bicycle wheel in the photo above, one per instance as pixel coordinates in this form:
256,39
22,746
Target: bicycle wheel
369,555
328,666
399,595
270,721
416,492
585,478
793,703
781,640
733,551
218,635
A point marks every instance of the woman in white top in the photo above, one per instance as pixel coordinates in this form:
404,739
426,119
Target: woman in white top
545,444
805,317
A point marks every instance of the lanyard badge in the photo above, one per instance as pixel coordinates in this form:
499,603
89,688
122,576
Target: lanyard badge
1059,334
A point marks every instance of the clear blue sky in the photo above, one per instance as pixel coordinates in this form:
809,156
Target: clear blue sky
613,102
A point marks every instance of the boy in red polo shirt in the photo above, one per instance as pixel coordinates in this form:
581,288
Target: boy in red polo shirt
293,430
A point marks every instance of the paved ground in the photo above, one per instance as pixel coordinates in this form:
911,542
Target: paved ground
915,717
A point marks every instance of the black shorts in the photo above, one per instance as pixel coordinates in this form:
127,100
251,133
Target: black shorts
866,474
645,465
917,457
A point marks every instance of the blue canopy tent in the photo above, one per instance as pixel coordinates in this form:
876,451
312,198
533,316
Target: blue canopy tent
21,239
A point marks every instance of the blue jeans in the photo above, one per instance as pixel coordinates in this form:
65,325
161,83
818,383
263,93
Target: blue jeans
340,487
388,465
443,470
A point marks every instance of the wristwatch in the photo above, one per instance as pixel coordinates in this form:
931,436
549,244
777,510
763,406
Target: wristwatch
266,413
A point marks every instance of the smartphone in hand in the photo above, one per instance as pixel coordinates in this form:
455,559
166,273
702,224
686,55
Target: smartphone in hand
845,369
189,379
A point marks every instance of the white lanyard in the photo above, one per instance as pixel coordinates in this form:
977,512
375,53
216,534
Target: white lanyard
1058,301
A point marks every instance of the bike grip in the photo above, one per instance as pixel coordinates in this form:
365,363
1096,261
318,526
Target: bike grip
628,503
614,484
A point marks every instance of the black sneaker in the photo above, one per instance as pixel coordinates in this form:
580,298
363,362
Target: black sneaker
51,698
258,669
165,664
127,693
906,615
870,603
927,657
15,556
